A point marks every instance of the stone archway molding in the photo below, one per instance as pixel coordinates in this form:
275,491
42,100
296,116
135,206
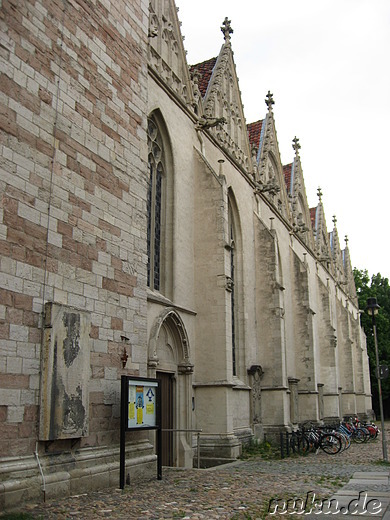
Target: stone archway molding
170,314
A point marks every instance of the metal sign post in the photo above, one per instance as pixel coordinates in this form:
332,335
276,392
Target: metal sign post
159,437
122,453
140,410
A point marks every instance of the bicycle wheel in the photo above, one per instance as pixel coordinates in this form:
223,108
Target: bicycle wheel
299,443
343,439
373,432
294,442
330,444
359,436
313,441
305,446
366,432
347,441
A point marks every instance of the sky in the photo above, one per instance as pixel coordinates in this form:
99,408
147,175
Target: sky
327,64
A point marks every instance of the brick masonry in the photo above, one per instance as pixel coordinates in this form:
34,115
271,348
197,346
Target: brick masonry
78,79
73,196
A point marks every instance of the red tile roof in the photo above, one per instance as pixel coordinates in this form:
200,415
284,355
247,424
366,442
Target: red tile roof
287,169
254,132
313,212
205,71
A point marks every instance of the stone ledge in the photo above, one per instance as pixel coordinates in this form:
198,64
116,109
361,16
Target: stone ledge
88,470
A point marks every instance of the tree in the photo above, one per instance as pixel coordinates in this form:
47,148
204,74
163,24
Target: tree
379,288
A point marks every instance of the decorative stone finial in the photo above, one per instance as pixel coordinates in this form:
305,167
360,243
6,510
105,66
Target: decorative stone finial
319,193
346,240
269,101
227,29
334,220
296,146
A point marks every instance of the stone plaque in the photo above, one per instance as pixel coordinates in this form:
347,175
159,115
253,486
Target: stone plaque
65,367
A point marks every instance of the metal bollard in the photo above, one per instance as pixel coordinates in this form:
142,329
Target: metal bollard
281,445
287,445
198,449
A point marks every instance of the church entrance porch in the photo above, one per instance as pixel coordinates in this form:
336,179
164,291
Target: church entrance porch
169,361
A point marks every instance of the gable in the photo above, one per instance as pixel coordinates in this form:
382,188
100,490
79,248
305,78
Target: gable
270,175
218,84
167,56
322,243
300,212
349,281
337,255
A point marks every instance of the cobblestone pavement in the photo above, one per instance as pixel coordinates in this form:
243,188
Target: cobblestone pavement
241,490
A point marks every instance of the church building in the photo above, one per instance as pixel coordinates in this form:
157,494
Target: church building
147,229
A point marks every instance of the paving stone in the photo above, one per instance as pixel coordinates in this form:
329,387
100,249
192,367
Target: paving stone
243,490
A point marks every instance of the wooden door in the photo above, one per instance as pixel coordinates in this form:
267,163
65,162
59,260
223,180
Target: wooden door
166,389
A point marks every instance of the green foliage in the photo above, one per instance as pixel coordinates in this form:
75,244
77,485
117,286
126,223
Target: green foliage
384,463
264,449
379,288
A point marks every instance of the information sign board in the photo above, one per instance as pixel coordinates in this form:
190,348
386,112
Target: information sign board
142,404
140,410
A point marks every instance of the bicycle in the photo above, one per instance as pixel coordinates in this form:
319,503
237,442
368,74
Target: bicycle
317,439
358,435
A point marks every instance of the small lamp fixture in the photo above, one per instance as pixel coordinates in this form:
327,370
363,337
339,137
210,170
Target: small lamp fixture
372,306
124,358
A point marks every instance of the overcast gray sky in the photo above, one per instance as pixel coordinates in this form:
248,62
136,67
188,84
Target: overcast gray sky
327,64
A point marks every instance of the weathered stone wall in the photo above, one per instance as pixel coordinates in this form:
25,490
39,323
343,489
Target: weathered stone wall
73,96
79,82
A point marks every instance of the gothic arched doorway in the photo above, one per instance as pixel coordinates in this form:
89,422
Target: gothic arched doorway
169,361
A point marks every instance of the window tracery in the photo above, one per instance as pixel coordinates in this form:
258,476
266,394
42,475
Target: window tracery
234,282
154,203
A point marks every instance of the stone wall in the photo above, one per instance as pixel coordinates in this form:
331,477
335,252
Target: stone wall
253,328
73,96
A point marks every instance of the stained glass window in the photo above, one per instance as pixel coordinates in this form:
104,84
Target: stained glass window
233,292
154,204
232,259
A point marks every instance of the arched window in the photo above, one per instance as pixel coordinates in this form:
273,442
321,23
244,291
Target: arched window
233,302
154,203
235,282
159,206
